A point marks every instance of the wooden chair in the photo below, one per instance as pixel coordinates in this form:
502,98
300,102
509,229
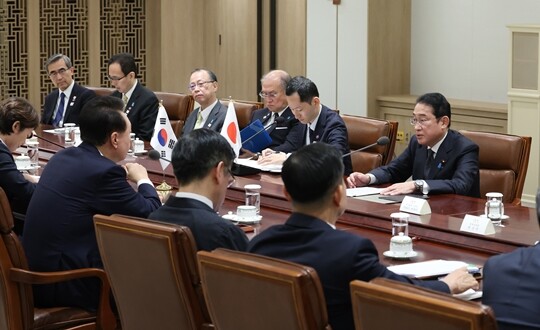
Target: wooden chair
243,109
503,162
386,304
153,271
17,309
246,291
363,131
178,107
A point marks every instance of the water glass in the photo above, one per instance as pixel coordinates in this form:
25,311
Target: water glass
253,196
494,209
400,223
33,152
131,150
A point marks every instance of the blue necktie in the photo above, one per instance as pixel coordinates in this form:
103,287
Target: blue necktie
59,112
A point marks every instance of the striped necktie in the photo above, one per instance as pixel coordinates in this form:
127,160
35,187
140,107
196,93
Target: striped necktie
59,112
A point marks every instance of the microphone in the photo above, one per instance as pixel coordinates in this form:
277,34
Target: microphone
47,140
382,141
155,155
278,120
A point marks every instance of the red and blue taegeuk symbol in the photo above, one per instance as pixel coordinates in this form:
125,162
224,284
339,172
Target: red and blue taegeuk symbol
162,137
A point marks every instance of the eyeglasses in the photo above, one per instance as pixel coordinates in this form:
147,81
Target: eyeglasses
232,180
59,72
199,84
422,121
115,78
270,95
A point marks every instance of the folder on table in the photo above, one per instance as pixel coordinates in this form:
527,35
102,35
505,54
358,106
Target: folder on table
261,139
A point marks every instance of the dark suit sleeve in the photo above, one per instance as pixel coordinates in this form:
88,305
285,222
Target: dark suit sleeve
399,169
117,196
17,188
293,141
147,117
465,174
368,267
48,109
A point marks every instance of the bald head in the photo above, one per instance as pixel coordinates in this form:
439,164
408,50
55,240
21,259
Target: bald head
273,86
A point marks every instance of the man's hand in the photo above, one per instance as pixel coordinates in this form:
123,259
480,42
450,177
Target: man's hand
399,188
135,172
357,179
272,159
460,280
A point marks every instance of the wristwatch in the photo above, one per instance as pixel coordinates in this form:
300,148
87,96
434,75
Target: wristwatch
419,186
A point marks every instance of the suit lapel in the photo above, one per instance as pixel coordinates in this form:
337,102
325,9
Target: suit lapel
212,116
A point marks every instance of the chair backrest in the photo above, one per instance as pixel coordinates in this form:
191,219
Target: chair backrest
178,107
363,131
246,291
386,304
503,163
16,300
101,91
153,272
243,109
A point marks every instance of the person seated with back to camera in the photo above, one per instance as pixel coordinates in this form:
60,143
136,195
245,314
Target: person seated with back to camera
313,179
440,160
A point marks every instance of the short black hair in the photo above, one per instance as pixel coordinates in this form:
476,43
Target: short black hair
305,88
311,174
211,74
99,118
126,62
197,152
17,109
438,102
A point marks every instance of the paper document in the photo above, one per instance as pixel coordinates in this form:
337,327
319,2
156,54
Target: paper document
469,295
254,164
427,268
362,191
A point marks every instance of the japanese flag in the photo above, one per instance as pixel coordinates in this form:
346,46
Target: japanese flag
230,129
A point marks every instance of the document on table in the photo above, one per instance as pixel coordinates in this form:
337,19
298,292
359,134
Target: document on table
362,191
275,168
427,269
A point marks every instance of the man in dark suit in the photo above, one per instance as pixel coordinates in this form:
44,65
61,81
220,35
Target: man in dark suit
313,178
286,135
202,161
440,160
140,104
320,123
511,286
76,184
211,113
64,104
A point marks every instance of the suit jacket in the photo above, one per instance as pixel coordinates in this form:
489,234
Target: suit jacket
142,110
338,257
76,184
17,188
78,98
286,136
331,130
453,171
511,287
214,121
209,229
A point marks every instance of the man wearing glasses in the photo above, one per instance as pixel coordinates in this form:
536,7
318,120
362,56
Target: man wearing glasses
202,161
140,103
286,134
210,114
64,104
440,160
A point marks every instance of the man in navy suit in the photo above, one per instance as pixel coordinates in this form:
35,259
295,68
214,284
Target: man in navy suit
140,104
320,123
440,160
286,135
313,178
76,184
64,104
202,161
511,286
211,113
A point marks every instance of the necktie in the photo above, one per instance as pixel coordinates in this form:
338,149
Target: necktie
125,100
429,160
199,122
311,135
59,111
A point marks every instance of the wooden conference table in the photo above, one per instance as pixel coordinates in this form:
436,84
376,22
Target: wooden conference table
435,236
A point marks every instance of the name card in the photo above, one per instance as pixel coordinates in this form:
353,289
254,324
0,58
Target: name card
477,225
414,205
